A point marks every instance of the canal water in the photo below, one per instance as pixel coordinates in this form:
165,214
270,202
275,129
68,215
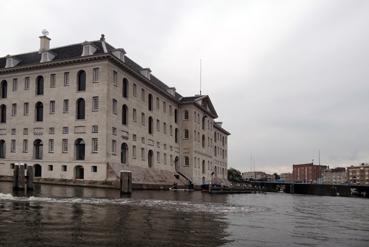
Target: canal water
74,216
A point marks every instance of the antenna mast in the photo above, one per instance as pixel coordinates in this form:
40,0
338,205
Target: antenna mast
200,75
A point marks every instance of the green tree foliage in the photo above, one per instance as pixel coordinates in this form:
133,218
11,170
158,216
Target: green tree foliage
234,175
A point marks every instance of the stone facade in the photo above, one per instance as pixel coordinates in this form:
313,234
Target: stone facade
85,111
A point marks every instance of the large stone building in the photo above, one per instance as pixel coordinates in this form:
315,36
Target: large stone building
84,112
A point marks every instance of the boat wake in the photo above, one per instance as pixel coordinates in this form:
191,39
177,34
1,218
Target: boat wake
183,206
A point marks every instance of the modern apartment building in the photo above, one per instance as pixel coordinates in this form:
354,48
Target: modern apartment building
335,176
83,112
358,174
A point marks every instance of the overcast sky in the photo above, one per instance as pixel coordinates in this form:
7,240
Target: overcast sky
287,78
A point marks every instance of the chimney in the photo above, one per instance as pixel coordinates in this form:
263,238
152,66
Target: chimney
44,43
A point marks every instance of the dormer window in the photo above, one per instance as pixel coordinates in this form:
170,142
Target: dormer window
11,62
146,72
88,49
119,53
47,56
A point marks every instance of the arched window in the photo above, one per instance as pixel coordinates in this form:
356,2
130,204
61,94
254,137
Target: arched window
80,149
150,125
80,109
203,122
124,115
39,85
79,172
186,115
4,89
81,81
124,153
125,88
3,114
150,158
2,149
150,102
37,149
175,115
203,141
187,161
37,170
176,163
39,112
176,135
186,134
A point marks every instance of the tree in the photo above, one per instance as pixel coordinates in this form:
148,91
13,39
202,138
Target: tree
234,175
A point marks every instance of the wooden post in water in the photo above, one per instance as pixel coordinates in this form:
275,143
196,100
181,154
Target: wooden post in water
126,182
30,177
15,177
21,177
292,188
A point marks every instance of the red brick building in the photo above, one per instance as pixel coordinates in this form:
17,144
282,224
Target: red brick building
308,173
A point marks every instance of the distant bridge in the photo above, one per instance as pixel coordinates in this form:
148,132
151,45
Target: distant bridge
314,189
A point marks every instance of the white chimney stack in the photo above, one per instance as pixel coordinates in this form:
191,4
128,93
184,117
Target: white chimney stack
44,41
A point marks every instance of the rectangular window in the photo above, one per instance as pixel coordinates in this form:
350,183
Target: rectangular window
51,131
143,119
14,131
115,78
52,106
95,145
64,168
12,146
114,146
26,83
15,84
50,167
134,115
165,128
95,103
165,158
65,106
65,145
134,152
51,145
65,130
115,108
14,110
143,95
25,146
25,131
95,129
157,125
157,103
66,79
164,107
134,137
95,74
25,109
143,154
93,168
158,157
134,89
170,110
52,80
114,131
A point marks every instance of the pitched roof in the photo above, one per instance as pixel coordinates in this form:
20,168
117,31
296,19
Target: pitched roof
74,51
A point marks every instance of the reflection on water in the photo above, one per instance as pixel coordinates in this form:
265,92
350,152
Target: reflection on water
74,216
